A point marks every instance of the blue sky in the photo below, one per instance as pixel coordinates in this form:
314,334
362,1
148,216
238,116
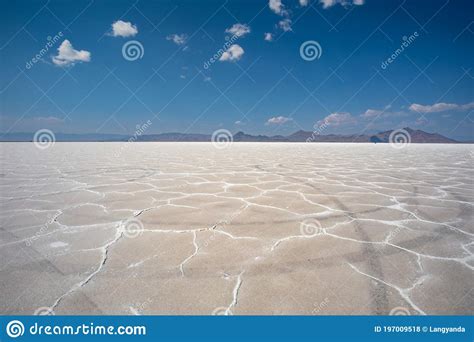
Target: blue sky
260,85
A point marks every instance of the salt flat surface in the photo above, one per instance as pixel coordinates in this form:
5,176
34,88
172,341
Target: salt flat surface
256,228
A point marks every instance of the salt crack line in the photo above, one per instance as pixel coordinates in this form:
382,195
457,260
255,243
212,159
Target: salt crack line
235,294
402,292
105,251
196,249
223,232
462,261
302,236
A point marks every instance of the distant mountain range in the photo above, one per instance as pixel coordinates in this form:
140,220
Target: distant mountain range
416,136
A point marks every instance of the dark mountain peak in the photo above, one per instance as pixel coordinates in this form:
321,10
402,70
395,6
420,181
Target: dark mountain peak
416,136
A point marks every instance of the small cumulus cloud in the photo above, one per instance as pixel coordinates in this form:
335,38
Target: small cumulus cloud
232,54
123,29
285,24
345,3
338,119
239,123
67,55
278,120
440,107
238,30
268,36
370,113
386,112
304,3
277,7
178,39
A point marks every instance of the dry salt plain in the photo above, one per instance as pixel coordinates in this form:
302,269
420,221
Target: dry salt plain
256,228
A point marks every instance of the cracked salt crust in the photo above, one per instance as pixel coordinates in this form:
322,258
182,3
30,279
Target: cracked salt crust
221,229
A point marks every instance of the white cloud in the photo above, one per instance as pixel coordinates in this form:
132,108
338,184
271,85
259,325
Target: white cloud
123,29
278,120
285,24
268,37
233,53
439,107
238,30
239,123
370,113
304,3
330,3
178,39
68,56
276,6
337,119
